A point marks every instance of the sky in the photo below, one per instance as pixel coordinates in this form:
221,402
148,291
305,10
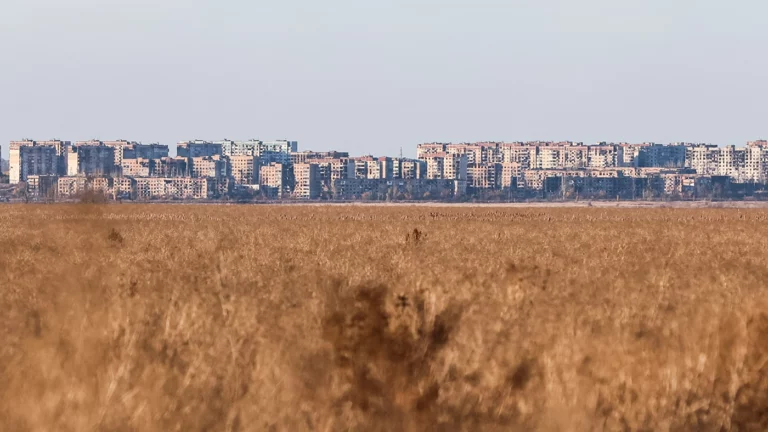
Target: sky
372,77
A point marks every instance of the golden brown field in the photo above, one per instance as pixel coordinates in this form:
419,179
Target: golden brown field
287,318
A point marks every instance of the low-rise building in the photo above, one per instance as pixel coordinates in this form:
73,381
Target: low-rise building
148,188
42,186
68,187
412,189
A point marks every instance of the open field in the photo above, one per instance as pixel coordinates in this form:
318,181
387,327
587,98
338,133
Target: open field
240,318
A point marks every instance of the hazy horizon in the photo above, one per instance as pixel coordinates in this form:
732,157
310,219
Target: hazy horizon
372,78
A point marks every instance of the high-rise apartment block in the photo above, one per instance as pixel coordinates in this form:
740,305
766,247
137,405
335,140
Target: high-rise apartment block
306,181
28,158
275,179
267,151
91,160
240,148
146,151
277,151
119,147
306,156
455,166
332,169
484,176
509,175
411,169
198,148
244,169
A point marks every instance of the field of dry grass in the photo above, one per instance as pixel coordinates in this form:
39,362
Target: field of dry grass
285,318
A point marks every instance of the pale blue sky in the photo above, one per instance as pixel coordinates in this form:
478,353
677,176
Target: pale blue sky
370,77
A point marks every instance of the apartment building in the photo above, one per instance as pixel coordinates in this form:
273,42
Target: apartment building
425,150
139,167
278,151
510,174
435,163
42,186
146,151
361,166
397,188
755,168
455,166
412,169
244,169
91,160
703,158
73,186
171,167
729,161
374,169
268,151
124,149
275,179
174,188
307,184
29,158
60,146
230,148
330,170
490,153
520,153
604,155
472,152
387,167
240,148
208,166
547,157
573,156
308,155
630,154
664,156
483,176
119,147
198,148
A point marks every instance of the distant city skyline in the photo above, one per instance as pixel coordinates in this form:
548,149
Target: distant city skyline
408,151
370,78
254,169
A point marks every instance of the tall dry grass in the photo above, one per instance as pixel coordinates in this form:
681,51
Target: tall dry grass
210,318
